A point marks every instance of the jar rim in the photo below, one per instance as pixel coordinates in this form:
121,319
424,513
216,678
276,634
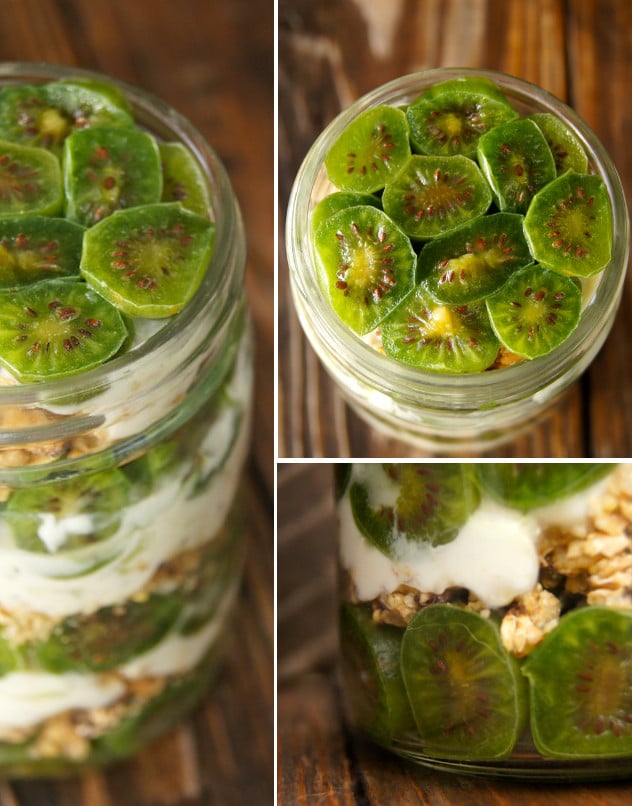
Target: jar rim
219,287
333,339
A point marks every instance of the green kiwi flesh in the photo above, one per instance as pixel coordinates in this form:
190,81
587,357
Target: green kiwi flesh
580,680
30,181
466,692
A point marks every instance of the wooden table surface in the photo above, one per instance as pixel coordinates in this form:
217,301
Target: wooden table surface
213,61
333,51
321,760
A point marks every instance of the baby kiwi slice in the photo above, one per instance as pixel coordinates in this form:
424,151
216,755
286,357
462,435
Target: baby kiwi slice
44,115
35,248
372,674
30,181
430,196
55,328
368,262
370,150
569,224
68,514
465,690
580,680
9,658
451,116
182,179
568,152
149,260
107,169
339,200
439,337
108,637
426,503
474,261
535,311
517,161
526,485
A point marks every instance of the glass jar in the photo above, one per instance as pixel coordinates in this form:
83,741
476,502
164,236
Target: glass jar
121,524
486,614
436,411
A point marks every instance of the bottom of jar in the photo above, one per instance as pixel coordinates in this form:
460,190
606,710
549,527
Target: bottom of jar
523,764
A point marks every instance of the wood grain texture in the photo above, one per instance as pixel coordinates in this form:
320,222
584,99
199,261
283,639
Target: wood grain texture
321,759
214,62
333,51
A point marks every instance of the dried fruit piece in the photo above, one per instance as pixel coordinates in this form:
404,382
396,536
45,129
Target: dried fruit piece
56,328
340,200
430,196
149,260
369,151
568,152
368,262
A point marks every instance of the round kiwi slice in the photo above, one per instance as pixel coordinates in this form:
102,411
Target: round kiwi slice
451,116
34,248
535,484
108,637
107,169
183,180
30,181
569,225
372,674
580,679
417,502
55,328
339,200
535,311
433,195
149,260
368,262
474,261
44,115
517,161
567,150
465,690
370,150
68,514
445,338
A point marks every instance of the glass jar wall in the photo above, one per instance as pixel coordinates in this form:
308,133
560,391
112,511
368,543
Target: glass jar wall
121,524
486,614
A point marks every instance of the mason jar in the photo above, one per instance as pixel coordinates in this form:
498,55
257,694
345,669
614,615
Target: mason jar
441,412
486,614
121,524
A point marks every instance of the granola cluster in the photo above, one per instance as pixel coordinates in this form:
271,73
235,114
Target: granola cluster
586,563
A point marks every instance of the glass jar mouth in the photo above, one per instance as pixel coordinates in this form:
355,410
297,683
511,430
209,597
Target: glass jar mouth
219,288
466,392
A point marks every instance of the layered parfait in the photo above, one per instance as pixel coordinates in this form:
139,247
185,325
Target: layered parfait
124,406
486,615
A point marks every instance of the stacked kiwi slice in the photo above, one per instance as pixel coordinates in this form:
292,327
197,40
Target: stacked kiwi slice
460,229
445,683
100,224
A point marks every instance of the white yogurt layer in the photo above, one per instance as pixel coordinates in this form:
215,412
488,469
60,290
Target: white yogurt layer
494,555
151,531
